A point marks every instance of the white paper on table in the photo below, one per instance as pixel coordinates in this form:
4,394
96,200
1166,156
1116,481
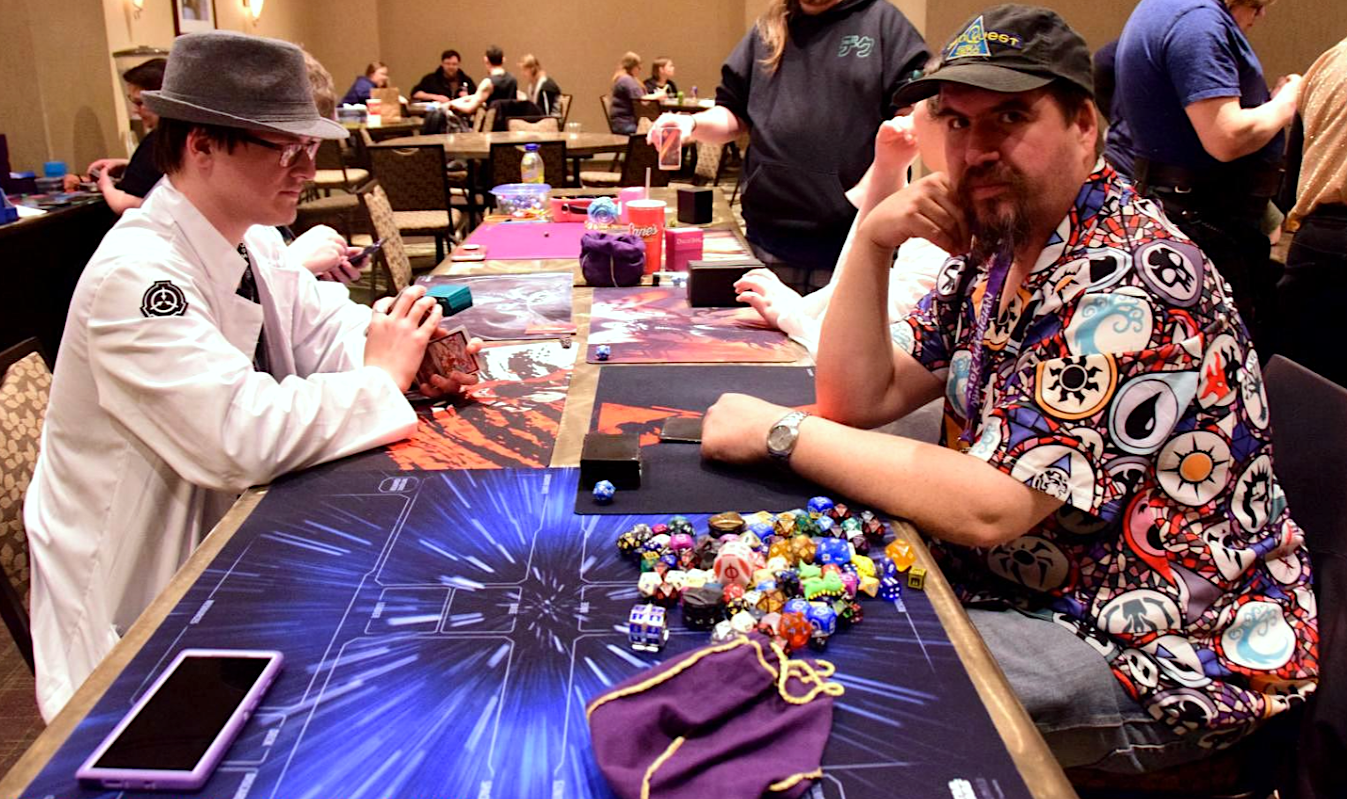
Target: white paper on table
26,211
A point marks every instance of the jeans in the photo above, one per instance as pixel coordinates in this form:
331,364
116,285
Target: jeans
1075,701
1312,294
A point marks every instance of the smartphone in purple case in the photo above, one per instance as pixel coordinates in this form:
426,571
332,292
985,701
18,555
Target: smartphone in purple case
178,731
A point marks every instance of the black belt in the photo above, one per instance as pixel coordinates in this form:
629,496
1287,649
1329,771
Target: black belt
1154,176
1328,211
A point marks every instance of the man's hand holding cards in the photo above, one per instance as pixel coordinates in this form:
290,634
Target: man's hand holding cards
450,362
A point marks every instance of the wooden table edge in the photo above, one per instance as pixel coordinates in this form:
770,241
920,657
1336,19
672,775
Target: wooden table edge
45,747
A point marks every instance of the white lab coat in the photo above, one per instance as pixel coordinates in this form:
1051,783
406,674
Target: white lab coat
157,422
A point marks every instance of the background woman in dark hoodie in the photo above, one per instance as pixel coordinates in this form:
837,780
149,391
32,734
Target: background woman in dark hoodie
811,83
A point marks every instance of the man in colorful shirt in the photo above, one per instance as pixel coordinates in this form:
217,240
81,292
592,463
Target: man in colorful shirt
1114,475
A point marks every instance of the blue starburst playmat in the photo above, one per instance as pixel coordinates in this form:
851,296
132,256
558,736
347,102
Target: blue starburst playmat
443,632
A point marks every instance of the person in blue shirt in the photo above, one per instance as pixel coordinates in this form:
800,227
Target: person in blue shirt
375,77
1202,134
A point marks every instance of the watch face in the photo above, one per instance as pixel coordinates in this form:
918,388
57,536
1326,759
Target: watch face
780,438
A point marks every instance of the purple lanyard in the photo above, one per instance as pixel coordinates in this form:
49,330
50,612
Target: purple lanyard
991,301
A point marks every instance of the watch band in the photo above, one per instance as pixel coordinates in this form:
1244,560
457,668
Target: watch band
789,425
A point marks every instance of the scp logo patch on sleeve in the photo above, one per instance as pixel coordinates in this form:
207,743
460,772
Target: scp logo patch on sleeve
163,298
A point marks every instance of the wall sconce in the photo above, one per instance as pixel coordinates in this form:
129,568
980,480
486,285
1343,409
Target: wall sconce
136,7
254,9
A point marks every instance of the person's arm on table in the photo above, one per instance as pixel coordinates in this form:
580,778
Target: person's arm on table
470,103
119,201
946,494
181,387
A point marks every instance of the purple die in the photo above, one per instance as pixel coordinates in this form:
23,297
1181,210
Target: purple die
603,352
891,587
850,582
604,492
680,541
820,505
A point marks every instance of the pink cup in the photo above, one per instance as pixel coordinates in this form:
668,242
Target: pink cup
647,221
628,194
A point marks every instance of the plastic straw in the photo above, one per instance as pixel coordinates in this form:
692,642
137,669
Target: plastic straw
647,183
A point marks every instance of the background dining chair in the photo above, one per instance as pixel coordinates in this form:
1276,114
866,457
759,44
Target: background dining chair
506,158
25,386
638,157
332,171
417,184
564,109
392,259
544,125
607,103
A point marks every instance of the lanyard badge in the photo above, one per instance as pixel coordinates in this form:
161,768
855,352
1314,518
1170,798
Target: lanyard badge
991,303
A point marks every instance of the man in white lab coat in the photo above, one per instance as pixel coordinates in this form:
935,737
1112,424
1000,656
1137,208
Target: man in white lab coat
197,360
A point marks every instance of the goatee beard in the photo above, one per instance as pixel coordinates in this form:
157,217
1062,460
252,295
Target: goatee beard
1001,230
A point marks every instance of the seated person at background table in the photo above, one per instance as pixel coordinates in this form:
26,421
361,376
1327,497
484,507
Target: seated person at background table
626,91
661,78
375,77
198,359
138,175
497,85
1116,526
539,89
917,263
810,84
445,83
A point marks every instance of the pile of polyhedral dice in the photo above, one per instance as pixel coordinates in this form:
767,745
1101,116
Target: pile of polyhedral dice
794,576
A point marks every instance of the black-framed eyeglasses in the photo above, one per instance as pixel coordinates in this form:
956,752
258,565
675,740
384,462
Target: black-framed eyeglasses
289,152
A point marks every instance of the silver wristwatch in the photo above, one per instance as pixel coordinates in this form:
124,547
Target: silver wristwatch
783,435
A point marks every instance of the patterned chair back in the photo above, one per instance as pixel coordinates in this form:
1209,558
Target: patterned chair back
393,256
506,157
607,102
485,120
640,157
24,389
413,177
709,158
545,125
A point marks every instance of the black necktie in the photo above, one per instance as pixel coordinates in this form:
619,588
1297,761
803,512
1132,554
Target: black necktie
248,290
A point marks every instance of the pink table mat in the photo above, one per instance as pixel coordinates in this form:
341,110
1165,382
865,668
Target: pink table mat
526,241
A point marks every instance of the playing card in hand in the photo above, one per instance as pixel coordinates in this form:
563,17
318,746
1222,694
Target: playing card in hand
446,355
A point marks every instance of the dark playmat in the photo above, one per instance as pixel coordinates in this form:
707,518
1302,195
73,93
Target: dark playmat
655,324
513,307
675,479
443,633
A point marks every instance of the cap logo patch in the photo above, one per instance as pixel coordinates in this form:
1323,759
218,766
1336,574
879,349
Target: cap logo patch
974,41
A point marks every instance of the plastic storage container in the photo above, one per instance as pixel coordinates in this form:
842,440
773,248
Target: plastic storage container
522,200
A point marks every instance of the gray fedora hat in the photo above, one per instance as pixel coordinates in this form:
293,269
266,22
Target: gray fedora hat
238,81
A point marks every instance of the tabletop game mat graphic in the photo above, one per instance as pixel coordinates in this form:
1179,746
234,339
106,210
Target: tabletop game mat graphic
513,307
655,324
510,419
444,631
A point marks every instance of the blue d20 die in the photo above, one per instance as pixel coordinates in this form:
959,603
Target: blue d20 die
822,616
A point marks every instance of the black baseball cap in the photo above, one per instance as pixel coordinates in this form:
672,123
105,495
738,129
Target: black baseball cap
1008,48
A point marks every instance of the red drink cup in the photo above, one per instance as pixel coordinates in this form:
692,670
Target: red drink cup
647,221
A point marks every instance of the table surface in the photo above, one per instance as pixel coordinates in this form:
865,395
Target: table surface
477,146
1036,764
